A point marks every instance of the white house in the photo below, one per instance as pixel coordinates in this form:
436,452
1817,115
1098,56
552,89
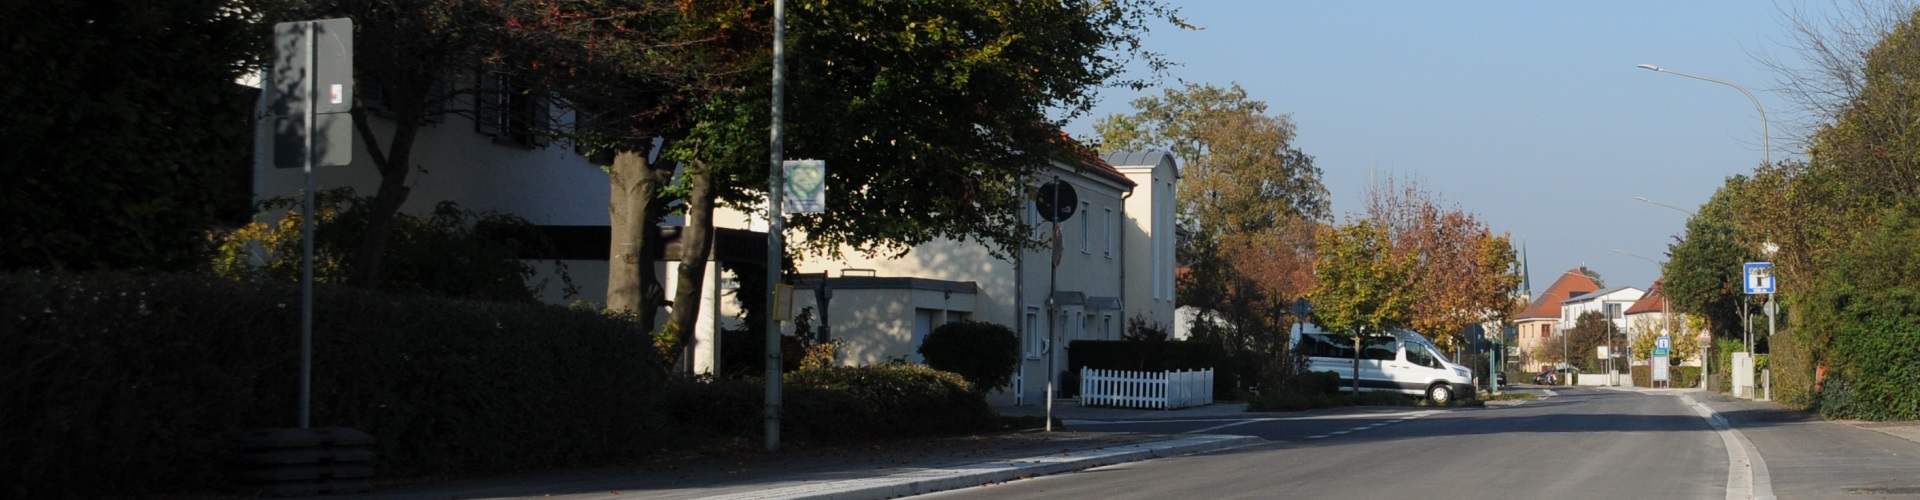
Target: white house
1610,302
1116,262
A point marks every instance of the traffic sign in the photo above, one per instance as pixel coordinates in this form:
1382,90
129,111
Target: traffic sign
1759,277
1663,342
1660,352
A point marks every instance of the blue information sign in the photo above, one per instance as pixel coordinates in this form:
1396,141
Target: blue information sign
1759,277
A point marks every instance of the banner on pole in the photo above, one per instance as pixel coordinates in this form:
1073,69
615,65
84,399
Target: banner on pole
806,190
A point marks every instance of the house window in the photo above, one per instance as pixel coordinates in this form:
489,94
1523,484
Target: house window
374,96
1106,326
1086,327
1035,338
1086,229
1106,231
510,112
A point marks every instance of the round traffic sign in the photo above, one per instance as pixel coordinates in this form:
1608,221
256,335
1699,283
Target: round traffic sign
1056,201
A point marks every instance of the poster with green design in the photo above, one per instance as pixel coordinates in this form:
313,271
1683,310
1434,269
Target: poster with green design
806,187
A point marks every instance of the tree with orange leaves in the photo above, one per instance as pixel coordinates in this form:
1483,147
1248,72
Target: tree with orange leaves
1465,272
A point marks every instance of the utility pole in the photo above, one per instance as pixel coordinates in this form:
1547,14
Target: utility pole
776,223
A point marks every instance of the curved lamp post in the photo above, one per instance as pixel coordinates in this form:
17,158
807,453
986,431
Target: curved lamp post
1682,210
1766,151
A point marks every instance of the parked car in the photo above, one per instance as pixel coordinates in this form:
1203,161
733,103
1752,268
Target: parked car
1403,361
1557,376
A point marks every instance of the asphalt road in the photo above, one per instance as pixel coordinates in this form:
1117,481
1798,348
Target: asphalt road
1578,443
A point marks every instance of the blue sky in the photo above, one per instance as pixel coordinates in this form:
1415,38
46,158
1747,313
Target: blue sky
1529,114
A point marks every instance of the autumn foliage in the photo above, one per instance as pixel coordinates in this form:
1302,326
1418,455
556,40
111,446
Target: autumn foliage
1464,272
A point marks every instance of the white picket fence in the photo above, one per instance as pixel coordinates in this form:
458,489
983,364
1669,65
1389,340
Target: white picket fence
1151,390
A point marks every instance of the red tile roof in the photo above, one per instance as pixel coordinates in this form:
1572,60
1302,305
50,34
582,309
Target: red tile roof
1649,303
1547,305
1086,159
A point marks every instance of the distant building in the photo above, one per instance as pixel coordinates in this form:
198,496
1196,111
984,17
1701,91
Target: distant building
1652,315
1540,322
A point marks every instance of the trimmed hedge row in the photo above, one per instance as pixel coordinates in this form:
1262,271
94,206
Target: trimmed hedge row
141,382
1677,376
132,384
1139,356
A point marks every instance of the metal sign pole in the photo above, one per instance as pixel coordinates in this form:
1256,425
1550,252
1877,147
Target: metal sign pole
776,222
1053,308
311,93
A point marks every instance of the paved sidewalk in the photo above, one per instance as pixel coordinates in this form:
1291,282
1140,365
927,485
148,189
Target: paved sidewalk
1752,413
857,472
1799,454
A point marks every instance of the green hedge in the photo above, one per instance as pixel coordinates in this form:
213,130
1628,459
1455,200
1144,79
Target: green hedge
1677,376
986,354
896,401
138,384
1868,303
130,383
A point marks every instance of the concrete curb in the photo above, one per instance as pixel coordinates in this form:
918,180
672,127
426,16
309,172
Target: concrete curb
925,481
1745,465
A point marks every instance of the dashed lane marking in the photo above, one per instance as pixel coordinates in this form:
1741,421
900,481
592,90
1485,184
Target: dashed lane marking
1381,424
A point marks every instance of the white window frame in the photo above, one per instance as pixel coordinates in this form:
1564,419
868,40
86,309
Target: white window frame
1086,229
1106,223
1034,335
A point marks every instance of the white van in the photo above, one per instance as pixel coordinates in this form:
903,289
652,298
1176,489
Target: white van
1404,362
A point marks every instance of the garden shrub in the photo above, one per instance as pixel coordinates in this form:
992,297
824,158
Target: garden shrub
985,354
129,383
743,352
452,252
1677,376
903,400
829,405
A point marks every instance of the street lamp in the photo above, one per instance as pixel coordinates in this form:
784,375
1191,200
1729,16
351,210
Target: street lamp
1682,210
1766,151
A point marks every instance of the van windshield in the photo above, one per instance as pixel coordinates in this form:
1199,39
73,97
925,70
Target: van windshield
1435,352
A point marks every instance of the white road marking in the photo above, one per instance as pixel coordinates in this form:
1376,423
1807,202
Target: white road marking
1747,475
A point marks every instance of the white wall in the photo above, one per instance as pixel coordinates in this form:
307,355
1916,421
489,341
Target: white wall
1149,242
451,161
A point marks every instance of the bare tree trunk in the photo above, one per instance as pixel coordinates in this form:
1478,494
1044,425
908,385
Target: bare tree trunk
631,282
696,245
387,201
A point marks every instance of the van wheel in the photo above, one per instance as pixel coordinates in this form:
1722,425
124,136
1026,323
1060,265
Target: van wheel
1440,393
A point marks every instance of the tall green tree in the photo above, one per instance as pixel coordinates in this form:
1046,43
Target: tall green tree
1591,331
644,78
412,59
1466,273
1365,287
932,116
129,137
1240,172
1840,206
1703,273
1253,200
